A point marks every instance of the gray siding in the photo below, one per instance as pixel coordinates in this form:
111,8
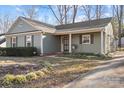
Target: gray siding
37,42
21,26
20,41
51,44
8,41
87,48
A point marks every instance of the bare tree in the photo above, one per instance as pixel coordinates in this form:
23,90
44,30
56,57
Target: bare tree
60,12
87,11
5,23
66,9
119,15
31,12
99,11
75,9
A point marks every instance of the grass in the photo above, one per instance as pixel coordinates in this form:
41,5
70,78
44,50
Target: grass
89,56
56,71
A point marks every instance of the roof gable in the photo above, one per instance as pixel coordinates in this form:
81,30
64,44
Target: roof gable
40,25
20,26
35,22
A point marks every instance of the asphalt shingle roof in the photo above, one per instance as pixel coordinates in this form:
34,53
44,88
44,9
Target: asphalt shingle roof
79,25
86,24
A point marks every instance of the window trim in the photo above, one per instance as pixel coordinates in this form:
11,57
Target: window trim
14,37
29,41
89,38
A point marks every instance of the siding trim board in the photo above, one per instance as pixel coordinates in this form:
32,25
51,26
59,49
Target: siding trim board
32,38
23,33
25,40
92,38
80,39
16,41
11,41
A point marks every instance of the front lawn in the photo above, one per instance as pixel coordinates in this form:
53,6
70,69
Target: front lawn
88,56
49,71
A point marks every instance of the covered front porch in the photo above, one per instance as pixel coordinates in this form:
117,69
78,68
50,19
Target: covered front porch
77,42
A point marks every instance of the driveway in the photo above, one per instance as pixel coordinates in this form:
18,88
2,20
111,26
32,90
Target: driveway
109,75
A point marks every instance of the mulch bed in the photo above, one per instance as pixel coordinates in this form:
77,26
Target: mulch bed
19,69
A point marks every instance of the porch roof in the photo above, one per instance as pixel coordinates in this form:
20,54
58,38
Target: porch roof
79,30
83,27
86,24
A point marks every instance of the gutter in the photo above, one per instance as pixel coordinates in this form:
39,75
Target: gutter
60,32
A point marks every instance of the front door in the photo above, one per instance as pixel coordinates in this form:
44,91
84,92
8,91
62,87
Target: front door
66,43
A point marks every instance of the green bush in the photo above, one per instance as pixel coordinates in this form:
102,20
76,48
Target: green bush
8,79
31,76
18,51
20,79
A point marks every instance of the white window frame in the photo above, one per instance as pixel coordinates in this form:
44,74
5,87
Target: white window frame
13,41
29,41
87,35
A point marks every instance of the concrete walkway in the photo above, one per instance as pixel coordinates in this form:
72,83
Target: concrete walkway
109,75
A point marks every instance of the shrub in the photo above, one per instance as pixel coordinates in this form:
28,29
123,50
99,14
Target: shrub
8,79
18,51
46,71
40,73
20,79
31,76
22,66
47,65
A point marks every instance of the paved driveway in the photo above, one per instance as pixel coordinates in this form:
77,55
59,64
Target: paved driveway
109,75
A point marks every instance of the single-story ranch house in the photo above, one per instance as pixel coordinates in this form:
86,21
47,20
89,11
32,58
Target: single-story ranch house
95,36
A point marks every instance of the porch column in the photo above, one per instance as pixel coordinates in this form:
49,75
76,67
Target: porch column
41,44
102,42
61,44
70,49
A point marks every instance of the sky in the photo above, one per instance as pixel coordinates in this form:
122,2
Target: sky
45,14
16,11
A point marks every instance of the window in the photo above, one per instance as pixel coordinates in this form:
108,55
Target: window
13,41
28,40
86,39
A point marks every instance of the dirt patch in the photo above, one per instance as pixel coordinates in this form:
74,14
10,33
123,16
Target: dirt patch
19,69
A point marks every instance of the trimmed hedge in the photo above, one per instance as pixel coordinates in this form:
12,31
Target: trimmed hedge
18,51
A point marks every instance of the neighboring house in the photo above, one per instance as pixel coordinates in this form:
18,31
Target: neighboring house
95,36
